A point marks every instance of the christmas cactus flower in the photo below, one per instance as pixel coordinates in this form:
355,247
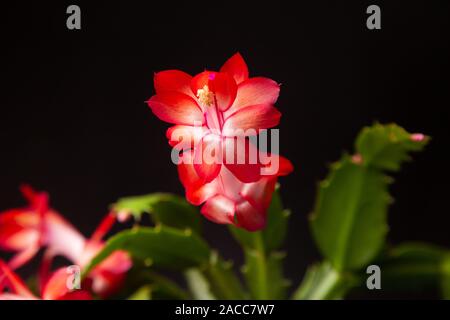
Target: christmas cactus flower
27,230
216,114
55,288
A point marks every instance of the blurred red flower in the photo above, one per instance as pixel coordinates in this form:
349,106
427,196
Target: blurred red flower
27,230
55,287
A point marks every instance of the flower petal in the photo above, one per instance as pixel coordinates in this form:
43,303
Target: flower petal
103,228
197,191
252,118
108,276
19,229
185,137
208,157
254,91
219,209
286,166
259,194
220,84
236,67
62,237
197,196
11,280
56,285
56,288
188,176
249,218
23,256
274,165
11,296
177,108
242,159
173,80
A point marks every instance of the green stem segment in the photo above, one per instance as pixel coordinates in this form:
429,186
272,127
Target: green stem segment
261,269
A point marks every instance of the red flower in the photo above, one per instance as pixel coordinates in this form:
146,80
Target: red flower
27,230
214,115
55,288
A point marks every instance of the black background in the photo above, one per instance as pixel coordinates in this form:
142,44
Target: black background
73,119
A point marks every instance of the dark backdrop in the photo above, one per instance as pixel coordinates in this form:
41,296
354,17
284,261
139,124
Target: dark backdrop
73,119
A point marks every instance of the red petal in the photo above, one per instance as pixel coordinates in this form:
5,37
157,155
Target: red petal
13,282
108,277
197,191
24,256
241,158
208,157
286,166
56,288
77,295
38,200
225,90
249,218
104,227
173,80
19,230
253,118
188,176
10,296
62,238
219,209
177,108
56,285
197,196
275,165
255,91
259,194
221,84
185,137
236,67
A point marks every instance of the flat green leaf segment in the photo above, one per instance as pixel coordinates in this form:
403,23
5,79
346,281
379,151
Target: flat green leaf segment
263,272
416,266
167,209
160,247
386,147
323,282
143,283
349,222
198,285
222,281
144,293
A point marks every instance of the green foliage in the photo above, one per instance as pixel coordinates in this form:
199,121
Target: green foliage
263,270
144,293
198,285
223,282
322,281
160,247
264,274
274,233
349,222
142,279
167,209
416,266
386,147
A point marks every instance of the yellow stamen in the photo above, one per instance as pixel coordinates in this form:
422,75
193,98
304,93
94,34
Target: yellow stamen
205,96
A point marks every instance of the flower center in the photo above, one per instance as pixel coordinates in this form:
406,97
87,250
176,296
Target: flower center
205,96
